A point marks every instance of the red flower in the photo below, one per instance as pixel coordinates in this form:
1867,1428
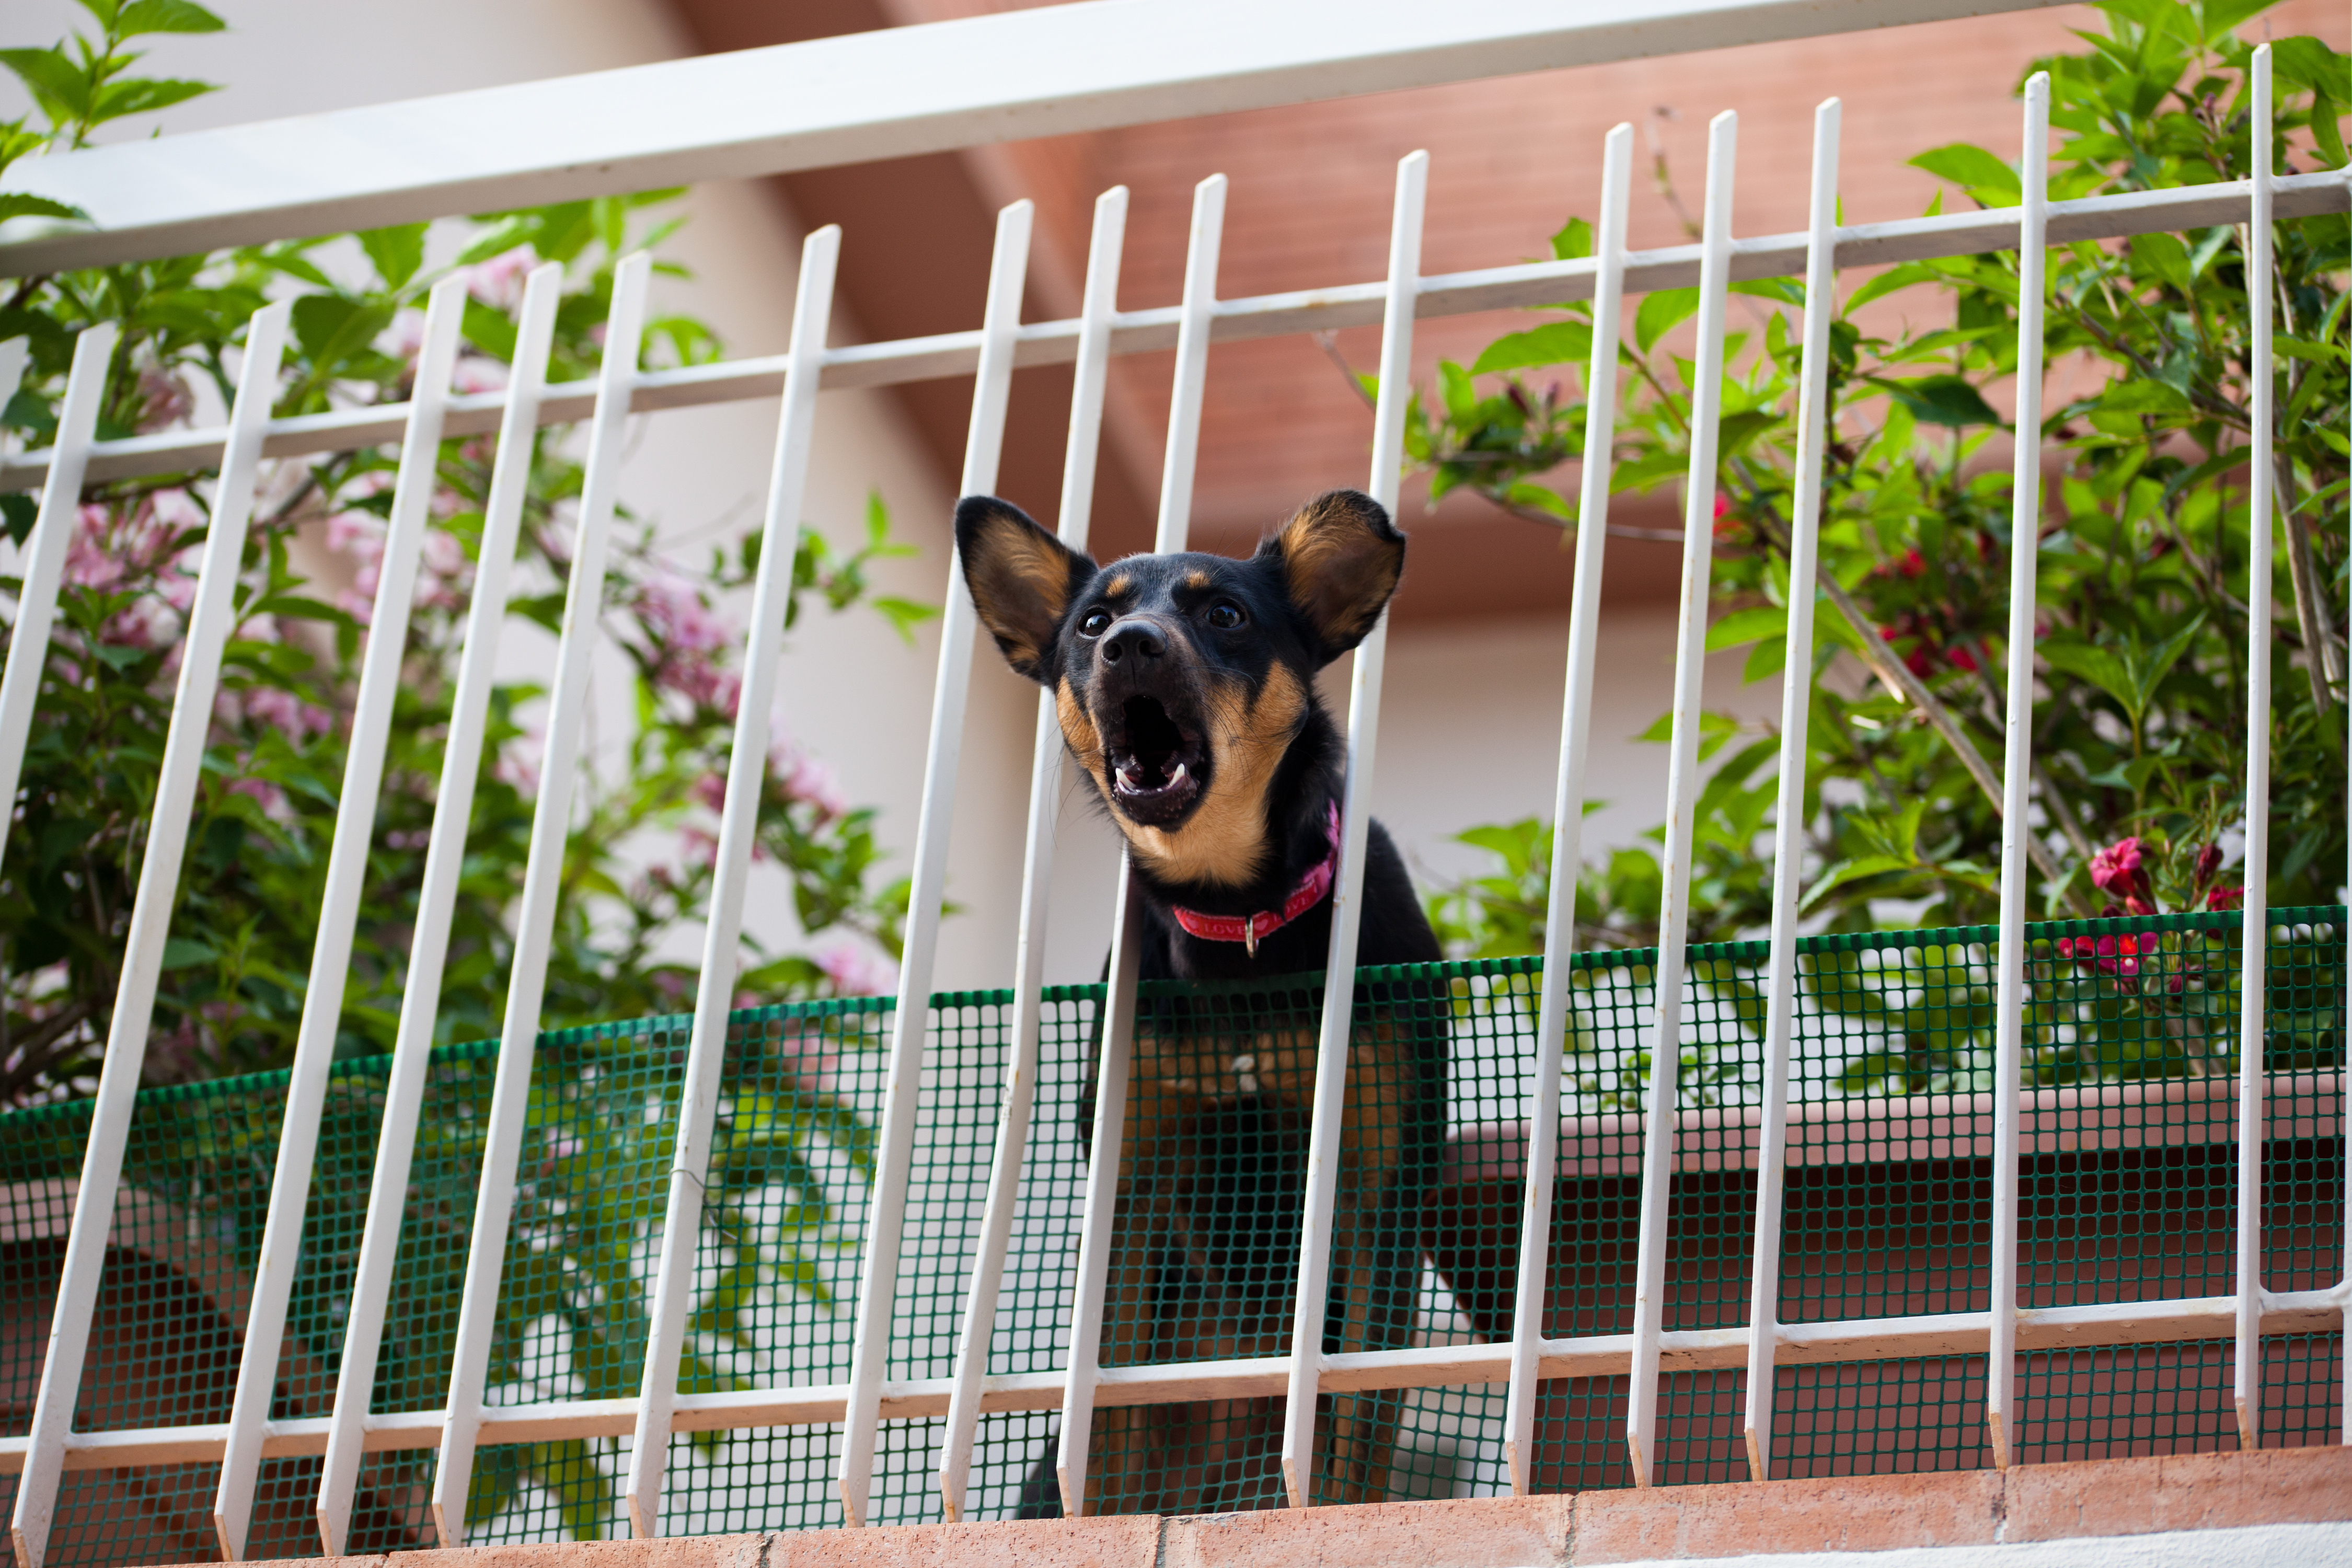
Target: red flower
2209,861
2116,869
2225,899
2109,954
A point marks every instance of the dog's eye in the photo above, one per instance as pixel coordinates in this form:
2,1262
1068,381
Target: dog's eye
1097,623
1224,615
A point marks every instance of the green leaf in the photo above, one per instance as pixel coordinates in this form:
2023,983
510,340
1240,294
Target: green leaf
144,95
1453,382
2166,257
57,84
397,252
2312,64
1947,400
2103,668
1892,279
1573,242
1984,176
165,16
1853,870
186,952
21,204
2136,395
1555,342
18,512
1661,313
1786,290
1746,626
488,328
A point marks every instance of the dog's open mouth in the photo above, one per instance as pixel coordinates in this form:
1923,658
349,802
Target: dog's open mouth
1155,765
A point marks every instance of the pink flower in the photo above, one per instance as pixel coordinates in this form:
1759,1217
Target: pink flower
2116,871
858,971
711,789
518,764
474,373
272,799
165,399
498,281
284,710
2225,899
675,615
809,779
358,535
699,847
406,336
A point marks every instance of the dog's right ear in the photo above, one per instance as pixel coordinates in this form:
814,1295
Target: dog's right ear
1022,580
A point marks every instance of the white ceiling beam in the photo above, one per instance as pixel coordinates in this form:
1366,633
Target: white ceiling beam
1000,78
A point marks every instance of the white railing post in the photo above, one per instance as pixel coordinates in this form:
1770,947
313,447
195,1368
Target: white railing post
1788,808
879,1289
747,773
43,568
1099,1219
1567,812
212,619
1045,771
2254,941
1325,1145
2011,998
445,857
1683,784
551,828
339,910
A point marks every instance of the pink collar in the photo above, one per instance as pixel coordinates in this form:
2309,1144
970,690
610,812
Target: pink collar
1250,930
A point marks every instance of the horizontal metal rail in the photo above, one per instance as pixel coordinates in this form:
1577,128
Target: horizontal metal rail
2190,1319
889,93
945,354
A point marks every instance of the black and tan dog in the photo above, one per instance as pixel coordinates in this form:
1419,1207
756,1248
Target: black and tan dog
1185,685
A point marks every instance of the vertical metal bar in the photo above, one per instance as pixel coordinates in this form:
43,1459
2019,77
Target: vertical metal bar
1100,1217
330,954
1045,773
1789,823
747,765
1568,811
1102,1193
212,619
2017,762
43,569
551,827
1683,784
428,950
1325,1145
2254,943
870,1352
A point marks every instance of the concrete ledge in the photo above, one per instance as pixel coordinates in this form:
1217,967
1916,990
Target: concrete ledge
2096,1499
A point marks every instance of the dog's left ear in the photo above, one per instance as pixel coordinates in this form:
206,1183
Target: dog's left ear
1340,559
1022,580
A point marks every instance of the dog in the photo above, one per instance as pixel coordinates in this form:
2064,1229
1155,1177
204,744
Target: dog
1185,689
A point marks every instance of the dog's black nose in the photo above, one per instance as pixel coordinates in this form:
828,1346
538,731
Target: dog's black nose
1134,634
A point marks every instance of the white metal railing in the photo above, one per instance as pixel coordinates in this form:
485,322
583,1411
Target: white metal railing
1000,344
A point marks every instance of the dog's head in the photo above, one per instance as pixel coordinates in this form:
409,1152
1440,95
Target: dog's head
1182,680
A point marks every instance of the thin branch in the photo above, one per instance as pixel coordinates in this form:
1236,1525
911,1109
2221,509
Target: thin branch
1328,342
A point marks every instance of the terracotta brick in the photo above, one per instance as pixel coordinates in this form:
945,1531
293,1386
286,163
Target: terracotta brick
2181,1491
682,1552
1468,1532
1130,1542
1854,1513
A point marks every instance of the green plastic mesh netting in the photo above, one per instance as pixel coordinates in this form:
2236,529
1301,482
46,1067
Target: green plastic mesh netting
2129,1194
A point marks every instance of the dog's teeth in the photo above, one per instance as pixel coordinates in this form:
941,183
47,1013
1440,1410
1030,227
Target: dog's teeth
1176,776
